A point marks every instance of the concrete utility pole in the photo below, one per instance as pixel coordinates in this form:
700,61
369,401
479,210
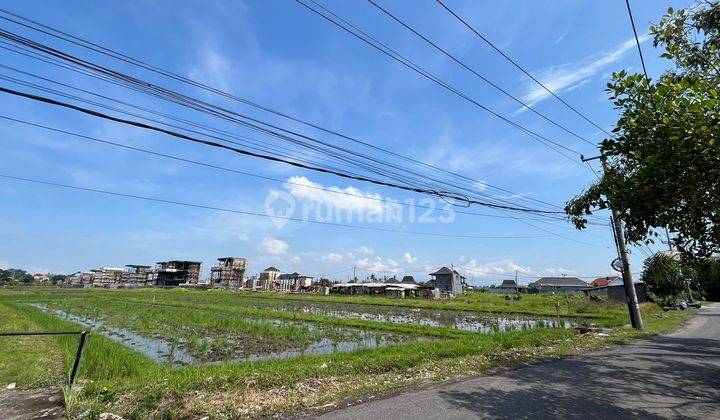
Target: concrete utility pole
633,306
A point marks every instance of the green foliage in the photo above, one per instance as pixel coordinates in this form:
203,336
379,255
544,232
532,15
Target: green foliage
708,278
663,275
663,165
15,275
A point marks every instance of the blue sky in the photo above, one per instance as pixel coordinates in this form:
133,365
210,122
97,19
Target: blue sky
279,54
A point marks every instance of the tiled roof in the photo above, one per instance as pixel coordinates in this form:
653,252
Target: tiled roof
442,271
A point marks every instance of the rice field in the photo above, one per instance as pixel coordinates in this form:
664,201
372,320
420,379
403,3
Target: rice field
157,352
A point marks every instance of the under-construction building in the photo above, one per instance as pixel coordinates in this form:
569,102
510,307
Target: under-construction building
229,273
136,276
106,277
175,273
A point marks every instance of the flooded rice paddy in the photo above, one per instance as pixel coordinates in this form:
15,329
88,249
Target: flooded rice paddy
218,347
460,320
186,335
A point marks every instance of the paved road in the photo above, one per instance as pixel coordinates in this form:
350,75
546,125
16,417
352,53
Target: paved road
671,376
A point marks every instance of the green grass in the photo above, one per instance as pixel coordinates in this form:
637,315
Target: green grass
118,379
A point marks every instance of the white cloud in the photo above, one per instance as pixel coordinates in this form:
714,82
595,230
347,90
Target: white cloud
496,268
569,76
557,272
365,250
360,201
243,237
333,257
4,265
409,259
273,246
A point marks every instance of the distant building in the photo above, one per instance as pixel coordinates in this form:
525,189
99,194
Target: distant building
507,286
229,273
107,277
267,278
175,272
392,280
448,281
602,281
136,276
408,280
41,277
558,285
292,282
615,290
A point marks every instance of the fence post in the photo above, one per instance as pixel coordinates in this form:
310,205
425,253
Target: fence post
77,358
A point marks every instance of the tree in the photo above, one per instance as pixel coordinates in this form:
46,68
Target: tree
708,278
663,275
663,162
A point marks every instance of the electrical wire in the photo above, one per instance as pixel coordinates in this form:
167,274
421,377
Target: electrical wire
480,76
127,59
411,65
521,68
248,213
254,154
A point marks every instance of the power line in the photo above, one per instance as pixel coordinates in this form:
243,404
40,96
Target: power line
521,68
203,106
223,168
258,155
368,39
483,78
56,33
637,40
248,213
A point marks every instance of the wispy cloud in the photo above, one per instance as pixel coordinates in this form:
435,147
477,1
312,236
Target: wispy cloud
566,77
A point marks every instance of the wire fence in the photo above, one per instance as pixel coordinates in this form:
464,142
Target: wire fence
81,343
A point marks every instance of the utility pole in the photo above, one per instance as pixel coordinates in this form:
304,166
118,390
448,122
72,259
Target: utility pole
633,306
632,302
517,288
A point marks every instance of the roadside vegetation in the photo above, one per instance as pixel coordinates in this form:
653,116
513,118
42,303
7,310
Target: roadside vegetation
117,379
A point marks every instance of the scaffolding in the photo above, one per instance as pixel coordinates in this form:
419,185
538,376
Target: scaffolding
136,276
228,274
175,272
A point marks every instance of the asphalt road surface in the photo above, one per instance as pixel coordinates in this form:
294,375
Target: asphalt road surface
671,376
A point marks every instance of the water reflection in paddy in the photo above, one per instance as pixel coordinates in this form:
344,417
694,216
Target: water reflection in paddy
461,320
180,351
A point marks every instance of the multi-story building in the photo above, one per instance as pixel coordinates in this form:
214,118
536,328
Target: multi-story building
267,278
229,273
136,276
107,277
175,272
448,281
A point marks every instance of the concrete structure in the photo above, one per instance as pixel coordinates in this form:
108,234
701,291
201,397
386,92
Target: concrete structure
107,277
293,282
229,273
175,273
448,281
615,290
267,278
558,285
384,289
136,276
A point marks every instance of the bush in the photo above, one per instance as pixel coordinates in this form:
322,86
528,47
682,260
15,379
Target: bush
708,278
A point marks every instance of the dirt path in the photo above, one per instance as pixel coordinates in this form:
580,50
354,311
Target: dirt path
45,404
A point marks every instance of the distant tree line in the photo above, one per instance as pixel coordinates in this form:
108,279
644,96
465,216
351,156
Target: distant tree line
669,277
18,276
